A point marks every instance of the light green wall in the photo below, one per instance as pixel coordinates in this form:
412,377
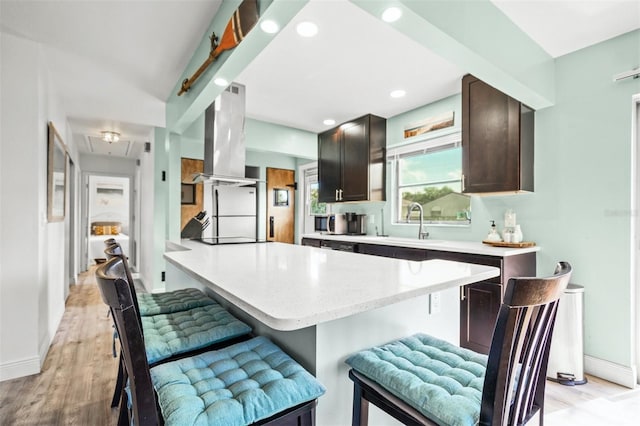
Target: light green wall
580,210
263,136
478,38
259,136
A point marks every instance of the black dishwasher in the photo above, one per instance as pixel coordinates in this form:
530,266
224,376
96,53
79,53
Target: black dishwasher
338,245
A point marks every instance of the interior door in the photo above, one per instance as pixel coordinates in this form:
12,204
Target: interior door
280,205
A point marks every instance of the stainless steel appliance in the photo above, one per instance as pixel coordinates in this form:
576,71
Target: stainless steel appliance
320,223
337,224
224,147
356,223
233,212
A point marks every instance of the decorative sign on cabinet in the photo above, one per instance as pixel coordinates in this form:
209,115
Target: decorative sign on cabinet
351,161
497,140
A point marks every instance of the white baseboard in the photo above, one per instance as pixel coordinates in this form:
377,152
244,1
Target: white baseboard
15,369
616,373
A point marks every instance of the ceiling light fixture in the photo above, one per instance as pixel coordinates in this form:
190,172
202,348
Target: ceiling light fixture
397,93
307,29
391,14
221,82
329,122
109,136
269,26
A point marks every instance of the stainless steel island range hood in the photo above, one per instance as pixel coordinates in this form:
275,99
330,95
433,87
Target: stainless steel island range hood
224,150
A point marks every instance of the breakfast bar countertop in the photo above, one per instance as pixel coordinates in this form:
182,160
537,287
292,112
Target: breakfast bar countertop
289,287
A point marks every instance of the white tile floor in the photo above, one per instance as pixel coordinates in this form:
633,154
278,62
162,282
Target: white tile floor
619,410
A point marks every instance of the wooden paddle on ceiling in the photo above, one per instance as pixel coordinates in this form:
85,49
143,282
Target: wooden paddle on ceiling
241,22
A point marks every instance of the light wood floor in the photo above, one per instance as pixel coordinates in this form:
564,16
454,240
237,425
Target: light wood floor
78,376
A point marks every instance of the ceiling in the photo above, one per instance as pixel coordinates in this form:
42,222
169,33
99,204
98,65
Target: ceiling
114,63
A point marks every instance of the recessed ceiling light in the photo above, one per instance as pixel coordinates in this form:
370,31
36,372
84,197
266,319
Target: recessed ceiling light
391,14
397,93
269,26
329,122
307,29
221,82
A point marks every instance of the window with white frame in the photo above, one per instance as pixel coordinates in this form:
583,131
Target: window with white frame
314,207
429,173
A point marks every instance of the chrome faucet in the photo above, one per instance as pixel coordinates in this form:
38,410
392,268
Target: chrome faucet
421,235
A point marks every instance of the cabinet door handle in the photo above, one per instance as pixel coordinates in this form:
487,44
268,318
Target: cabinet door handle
463,182
337,199
462,293
341,195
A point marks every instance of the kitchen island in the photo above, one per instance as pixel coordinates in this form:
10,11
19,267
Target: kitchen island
322,305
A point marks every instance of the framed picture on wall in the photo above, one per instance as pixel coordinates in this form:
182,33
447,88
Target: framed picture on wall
56,175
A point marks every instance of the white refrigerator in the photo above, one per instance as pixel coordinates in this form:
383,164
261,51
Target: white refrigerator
232,212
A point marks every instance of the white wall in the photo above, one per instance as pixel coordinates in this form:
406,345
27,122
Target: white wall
32,272
153,211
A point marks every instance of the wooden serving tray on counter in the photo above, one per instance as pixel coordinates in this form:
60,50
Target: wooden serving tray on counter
511,245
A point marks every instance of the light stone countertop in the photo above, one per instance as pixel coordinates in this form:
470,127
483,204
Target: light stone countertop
289,287
470,247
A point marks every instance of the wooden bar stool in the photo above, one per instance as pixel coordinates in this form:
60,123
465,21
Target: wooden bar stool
160,303
251,382
183,323
422,380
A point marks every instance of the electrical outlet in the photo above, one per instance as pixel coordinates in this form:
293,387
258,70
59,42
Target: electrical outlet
434,303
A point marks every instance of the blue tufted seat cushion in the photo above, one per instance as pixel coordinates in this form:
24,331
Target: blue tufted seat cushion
442,381
171,334
172,301
237,385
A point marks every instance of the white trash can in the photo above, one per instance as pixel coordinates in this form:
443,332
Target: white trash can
566,356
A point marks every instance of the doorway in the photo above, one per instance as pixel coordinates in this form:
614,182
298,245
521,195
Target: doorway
280,205
109,215
70,225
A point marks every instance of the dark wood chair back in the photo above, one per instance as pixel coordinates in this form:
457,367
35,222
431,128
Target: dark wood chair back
514,383
116,293
115,251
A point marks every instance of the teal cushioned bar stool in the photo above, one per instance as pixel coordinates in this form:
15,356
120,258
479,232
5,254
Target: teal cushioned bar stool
251,382
422,380
160,303
192,323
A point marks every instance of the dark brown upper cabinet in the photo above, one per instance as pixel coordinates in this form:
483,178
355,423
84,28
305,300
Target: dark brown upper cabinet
497,140
351,161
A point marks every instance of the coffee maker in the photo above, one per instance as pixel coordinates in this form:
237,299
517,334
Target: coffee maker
356,223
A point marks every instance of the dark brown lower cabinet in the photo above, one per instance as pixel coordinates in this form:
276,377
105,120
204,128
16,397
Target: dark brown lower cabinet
312,242
479,302
479,306
406,253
